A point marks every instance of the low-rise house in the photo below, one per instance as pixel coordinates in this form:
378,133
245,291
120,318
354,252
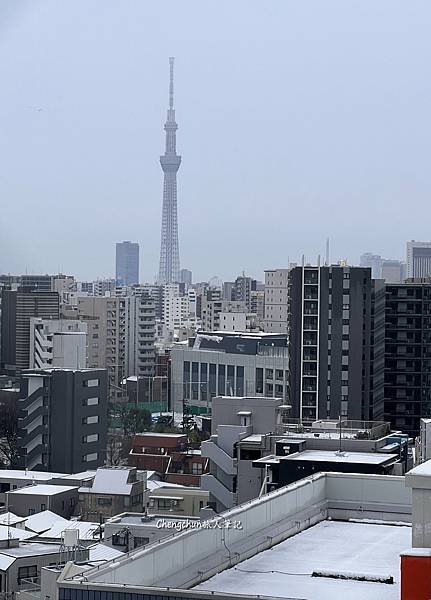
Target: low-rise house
60,499
11,520
170,455
10,532
13,479
78,479
176,500
88,532
42,521
113,490
21,563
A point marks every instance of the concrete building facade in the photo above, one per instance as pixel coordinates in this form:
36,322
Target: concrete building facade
62,420
330,334
17,308
228,363
407,373
58,343
418,259
237,425
276,297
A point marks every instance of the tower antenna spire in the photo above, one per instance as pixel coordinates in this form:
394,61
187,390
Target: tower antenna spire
171,82
170,161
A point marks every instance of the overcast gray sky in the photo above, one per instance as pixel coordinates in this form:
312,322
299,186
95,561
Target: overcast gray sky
298,120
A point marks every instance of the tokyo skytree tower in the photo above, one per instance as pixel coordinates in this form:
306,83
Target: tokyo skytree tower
169,268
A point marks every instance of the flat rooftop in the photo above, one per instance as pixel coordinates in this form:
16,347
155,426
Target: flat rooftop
44,490
346,548
30,475
370,458
150,520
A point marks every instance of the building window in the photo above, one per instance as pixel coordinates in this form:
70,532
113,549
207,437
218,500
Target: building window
90,401
31,511
119,539
259,381
91,382
94,437
90,420
197,468
25,573
164,503
221,380
90,457
104,501
186,379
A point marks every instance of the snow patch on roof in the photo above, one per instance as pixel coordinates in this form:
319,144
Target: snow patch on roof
43,521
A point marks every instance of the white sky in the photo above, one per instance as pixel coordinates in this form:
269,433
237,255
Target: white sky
297,121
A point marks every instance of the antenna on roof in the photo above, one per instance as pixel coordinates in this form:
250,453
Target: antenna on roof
340,449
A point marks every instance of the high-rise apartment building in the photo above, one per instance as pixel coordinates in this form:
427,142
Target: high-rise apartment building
179,310
137,336
62,420
330,335
242,291
169,268
186,277
127,263
374,261
103,287
276,296
418,259
102,316
407,374
58,343
121,334
18,307
393,271
228,290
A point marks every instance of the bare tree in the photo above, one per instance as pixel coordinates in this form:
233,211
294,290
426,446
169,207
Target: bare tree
8,435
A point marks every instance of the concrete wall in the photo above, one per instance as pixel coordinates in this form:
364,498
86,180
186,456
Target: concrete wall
194,556
62,503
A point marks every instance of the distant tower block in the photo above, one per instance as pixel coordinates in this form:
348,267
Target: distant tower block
169,268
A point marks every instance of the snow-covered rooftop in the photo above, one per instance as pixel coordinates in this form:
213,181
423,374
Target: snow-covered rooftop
100,552
43,521
43,490
78,476
30,475
346,548
424,469
110,481
9,518
15,533
87,530
371,458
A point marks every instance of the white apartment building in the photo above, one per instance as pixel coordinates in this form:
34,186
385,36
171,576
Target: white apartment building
179,310
137,335
59,343
212,309
238,321
276,294
418,259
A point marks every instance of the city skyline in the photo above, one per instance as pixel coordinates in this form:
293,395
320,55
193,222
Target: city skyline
284,159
